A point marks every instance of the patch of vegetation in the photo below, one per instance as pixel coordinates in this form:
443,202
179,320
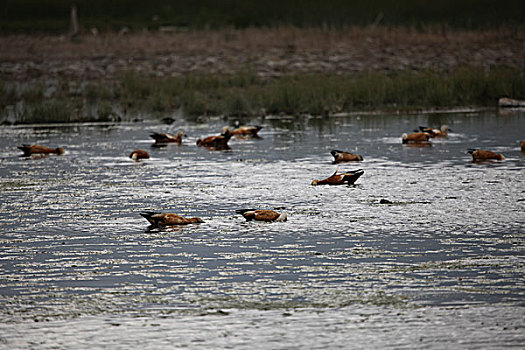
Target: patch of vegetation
60,102
245,93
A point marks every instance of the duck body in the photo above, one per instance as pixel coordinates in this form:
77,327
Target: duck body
138,154
433,132
263,215
522,145
158,219
37,149
219,142
480,155
341,156
245,130
164,137
340,179
415,137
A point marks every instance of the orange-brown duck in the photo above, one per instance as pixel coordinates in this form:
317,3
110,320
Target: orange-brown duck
480,155
349,177
245,130
263,215
433,132
138,154
158,219
522,145
37,149
341,156
415,137
162,138
219,142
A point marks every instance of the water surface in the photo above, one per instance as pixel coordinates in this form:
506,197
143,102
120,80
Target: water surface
441,267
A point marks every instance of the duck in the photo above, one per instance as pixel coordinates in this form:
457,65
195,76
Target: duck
138,154
415,137
37,149
349,177
522,145
244,131
480,155
164,137
433,132
342,156
219,142
263,215
159,219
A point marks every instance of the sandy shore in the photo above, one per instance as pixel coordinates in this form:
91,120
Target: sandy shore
268,52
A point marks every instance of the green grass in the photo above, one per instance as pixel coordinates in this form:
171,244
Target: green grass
53,15
245,93
68,102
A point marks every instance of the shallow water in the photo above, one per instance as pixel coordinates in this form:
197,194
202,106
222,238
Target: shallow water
442,266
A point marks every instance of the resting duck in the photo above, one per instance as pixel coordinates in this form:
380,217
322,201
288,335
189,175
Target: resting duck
163,137
168,219
480,155
341,178
37,149
441,132
219,142
415,137
138,154
244,131
263,215
341,156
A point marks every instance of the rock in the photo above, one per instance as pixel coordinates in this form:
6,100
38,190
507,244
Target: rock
506,102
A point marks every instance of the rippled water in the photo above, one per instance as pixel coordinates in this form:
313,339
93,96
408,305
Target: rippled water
443,266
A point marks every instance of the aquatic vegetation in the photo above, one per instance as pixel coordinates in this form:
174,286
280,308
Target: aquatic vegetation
245,93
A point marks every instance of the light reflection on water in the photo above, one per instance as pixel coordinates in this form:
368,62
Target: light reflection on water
74,245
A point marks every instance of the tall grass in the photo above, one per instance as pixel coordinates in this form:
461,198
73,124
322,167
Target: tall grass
63,102
245,93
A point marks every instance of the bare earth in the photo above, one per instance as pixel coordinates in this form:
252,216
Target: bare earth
269,52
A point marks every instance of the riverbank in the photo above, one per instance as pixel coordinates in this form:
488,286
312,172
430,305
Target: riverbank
237,72
268,52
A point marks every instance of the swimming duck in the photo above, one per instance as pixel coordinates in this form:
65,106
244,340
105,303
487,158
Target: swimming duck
433,132
349,177
164,137
37,149
158,219
219,142
244,131
415,137
263,215
479,155
139,154
341,156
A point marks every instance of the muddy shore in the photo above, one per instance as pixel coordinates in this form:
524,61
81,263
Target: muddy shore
269,52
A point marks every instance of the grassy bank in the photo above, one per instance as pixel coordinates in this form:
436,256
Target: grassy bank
245,93
53,15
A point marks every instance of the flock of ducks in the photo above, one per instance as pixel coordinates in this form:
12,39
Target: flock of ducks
424,134
421,136
220,142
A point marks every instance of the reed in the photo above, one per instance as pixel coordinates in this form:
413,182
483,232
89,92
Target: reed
245,93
